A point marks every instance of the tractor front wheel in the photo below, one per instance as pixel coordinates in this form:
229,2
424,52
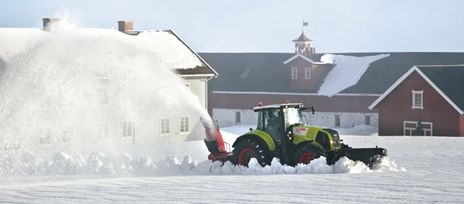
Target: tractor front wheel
306,153
249,148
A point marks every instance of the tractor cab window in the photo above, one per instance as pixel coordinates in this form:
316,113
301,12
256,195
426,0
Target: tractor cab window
292,116
269,121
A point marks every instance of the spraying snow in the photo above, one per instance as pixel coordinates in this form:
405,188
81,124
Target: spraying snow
75,89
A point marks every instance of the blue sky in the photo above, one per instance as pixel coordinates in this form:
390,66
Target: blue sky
268,25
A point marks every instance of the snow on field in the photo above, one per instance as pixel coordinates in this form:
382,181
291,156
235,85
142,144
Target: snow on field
430,170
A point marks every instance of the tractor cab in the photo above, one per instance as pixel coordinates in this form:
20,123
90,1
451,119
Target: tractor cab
276,119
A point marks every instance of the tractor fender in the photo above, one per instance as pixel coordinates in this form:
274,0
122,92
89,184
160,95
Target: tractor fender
260,136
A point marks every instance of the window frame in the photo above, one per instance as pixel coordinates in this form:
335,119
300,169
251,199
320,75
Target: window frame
238,117
308,73
294,73
367,120
184,126
165,128
128,127
337,120
421,102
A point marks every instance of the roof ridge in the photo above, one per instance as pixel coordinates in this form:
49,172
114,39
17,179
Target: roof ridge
441,65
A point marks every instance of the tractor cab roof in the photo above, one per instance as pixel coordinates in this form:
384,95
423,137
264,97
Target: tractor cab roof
278,106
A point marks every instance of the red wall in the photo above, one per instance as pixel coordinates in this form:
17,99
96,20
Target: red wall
321,103
397,107
318,73
461,125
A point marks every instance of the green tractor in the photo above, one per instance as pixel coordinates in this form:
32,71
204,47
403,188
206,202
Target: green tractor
281,132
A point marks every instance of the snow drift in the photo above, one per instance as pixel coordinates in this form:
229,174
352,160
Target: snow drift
25,163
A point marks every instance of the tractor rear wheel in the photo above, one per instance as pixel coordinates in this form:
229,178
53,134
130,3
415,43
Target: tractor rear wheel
306,153
250,148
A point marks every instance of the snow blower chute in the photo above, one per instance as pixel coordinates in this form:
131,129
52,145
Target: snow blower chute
281,133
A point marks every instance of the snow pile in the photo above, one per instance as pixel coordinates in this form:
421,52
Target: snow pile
347,72
328,58
317,166
25,163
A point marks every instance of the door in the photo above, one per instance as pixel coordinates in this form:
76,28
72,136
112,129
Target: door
417,128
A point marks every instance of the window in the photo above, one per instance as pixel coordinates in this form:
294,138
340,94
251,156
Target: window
45,136
294,73
308,73
237,117
417,128
103,131
103,96
165,129
184,124
367,120
337,120
66,136
417,99
128,129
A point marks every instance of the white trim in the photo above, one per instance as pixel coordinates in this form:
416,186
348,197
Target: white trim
195,53
188,125
424,130
390,89
168,126
197,75
307,73
413,94
410,129
294,73
296,56
440,92
402,78
289,93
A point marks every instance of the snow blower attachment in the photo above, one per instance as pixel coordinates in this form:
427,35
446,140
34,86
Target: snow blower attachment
219,150
281,133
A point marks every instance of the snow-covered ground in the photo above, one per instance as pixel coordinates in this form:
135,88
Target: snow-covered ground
419,170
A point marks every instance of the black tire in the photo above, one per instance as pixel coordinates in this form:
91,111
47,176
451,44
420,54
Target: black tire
306,153
251,148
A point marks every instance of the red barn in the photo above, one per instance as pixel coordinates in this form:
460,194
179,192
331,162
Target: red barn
427,100
340,85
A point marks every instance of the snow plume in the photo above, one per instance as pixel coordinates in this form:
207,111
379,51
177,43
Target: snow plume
67,20
347,72
77,89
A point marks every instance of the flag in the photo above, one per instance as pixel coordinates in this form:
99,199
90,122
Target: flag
305,23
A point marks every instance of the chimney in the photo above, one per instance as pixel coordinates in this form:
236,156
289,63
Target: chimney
125,26
50,23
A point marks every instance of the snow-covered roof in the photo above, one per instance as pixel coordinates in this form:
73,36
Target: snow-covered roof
265,72
165,45
346,73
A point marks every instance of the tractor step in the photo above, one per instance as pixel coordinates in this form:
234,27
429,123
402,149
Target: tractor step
221,156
